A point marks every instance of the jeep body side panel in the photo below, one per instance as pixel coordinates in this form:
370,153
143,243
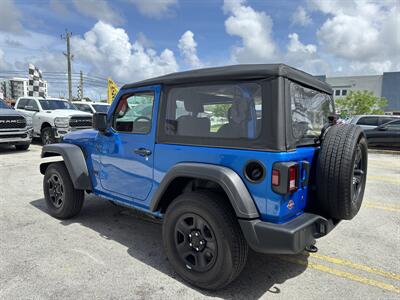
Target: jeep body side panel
74,161
271,206
229,180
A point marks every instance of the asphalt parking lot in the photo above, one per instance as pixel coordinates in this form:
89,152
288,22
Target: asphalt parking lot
109,252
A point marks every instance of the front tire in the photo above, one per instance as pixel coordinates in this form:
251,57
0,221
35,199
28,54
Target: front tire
47,136
203,240
62,199
22,147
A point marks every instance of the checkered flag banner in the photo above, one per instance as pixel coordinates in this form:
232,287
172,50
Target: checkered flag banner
36,83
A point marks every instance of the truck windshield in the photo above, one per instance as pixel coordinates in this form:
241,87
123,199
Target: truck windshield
310,111
101,108
55,104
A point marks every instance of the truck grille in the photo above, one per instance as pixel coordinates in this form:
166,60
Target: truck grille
13,136
12,122
80,122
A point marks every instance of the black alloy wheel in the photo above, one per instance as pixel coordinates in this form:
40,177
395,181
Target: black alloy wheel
358,174
56,190
195,242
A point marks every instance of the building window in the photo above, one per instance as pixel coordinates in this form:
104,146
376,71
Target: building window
337,92
344,92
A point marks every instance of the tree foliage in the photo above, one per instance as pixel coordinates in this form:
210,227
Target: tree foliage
360,103
220,110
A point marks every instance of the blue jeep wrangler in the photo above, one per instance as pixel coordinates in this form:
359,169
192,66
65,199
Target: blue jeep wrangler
229,157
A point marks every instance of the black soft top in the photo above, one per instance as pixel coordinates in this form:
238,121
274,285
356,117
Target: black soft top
236,72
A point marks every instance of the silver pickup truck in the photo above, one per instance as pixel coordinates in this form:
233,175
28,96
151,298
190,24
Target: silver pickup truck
15,127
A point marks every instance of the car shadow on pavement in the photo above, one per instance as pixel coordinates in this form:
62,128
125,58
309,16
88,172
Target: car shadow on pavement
142,237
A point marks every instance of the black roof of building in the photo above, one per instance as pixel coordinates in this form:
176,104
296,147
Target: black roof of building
236,72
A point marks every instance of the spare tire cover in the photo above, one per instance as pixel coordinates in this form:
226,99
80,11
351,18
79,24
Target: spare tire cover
341,171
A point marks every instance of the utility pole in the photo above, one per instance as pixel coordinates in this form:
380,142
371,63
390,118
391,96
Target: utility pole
81,84
69,58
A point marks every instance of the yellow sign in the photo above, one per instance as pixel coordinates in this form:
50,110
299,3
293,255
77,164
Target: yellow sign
112,90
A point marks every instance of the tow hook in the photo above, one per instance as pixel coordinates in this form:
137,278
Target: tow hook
311,249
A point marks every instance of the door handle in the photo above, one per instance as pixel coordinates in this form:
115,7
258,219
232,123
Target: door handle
142,152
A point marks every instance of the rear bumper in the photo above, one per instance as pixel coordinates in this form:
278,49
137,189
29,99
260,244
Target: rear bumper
288,238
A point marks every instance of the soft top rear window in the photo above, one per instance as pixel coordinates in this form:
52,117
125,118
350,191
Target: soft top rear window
310,112
219,111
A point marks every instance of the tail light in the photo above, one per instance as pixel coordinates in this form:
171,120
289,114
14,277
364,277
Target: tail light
285,177
275,177
293,180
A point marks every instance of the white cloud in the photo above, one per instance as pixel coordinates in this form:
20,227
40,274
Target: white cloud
301,17
10,17
109,52
365,33
295,46
188,48
155,8
304,57
255,30
98,9
4,65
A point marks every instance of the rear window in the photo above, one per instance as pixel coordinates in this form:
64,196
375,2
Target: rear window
221,111
310,111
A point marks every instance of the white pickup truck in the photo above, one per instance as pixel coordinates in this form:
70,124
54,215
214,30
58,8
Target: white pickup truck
53,118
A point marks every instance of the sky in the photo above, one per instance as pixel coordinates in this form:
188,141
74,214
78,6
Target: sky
131,40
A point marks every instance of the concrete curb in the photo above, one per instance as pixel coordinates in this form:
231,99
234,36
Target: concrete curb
379,151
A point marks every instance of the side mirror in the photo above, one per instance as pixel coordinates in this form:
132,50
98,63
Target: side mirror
100,121
383,128
30,108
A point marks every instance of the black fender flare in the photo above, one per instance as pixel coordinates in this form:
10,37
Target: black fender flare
74,160
229,180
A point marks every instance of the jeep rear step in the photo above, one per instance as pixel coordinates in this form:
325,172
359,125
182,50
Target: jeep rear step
288,238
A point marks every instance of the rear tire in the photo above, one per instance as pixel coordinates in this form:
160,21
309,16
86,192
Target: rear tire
62,199
22,147
342,171
203,240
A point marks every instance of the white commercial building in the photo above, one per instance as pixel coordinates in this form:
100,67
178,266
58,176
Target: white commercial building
386,85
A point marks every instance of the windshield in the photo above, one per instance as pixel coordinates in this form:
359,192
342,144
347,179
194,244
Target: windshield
3,105
101,108
55,104
310,111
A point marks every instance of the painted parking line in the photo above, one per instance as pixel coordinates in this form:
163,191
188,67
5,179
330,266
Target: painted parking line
342,274
386,179
392,208
356,266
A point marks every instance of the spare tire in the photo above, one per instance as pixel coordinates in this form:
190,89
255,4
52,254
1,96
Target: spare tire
341,171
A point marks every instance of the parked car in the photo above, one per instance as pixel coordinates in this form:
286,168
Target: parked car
15,127
386,135
273,181
372,121
53,118
91,107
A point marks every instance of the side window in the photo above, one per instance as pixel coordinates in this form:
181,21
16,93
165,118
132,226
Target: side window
394,125
370,121
133,113
22,103
215,111
384,120
337,93
33,104
344,92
